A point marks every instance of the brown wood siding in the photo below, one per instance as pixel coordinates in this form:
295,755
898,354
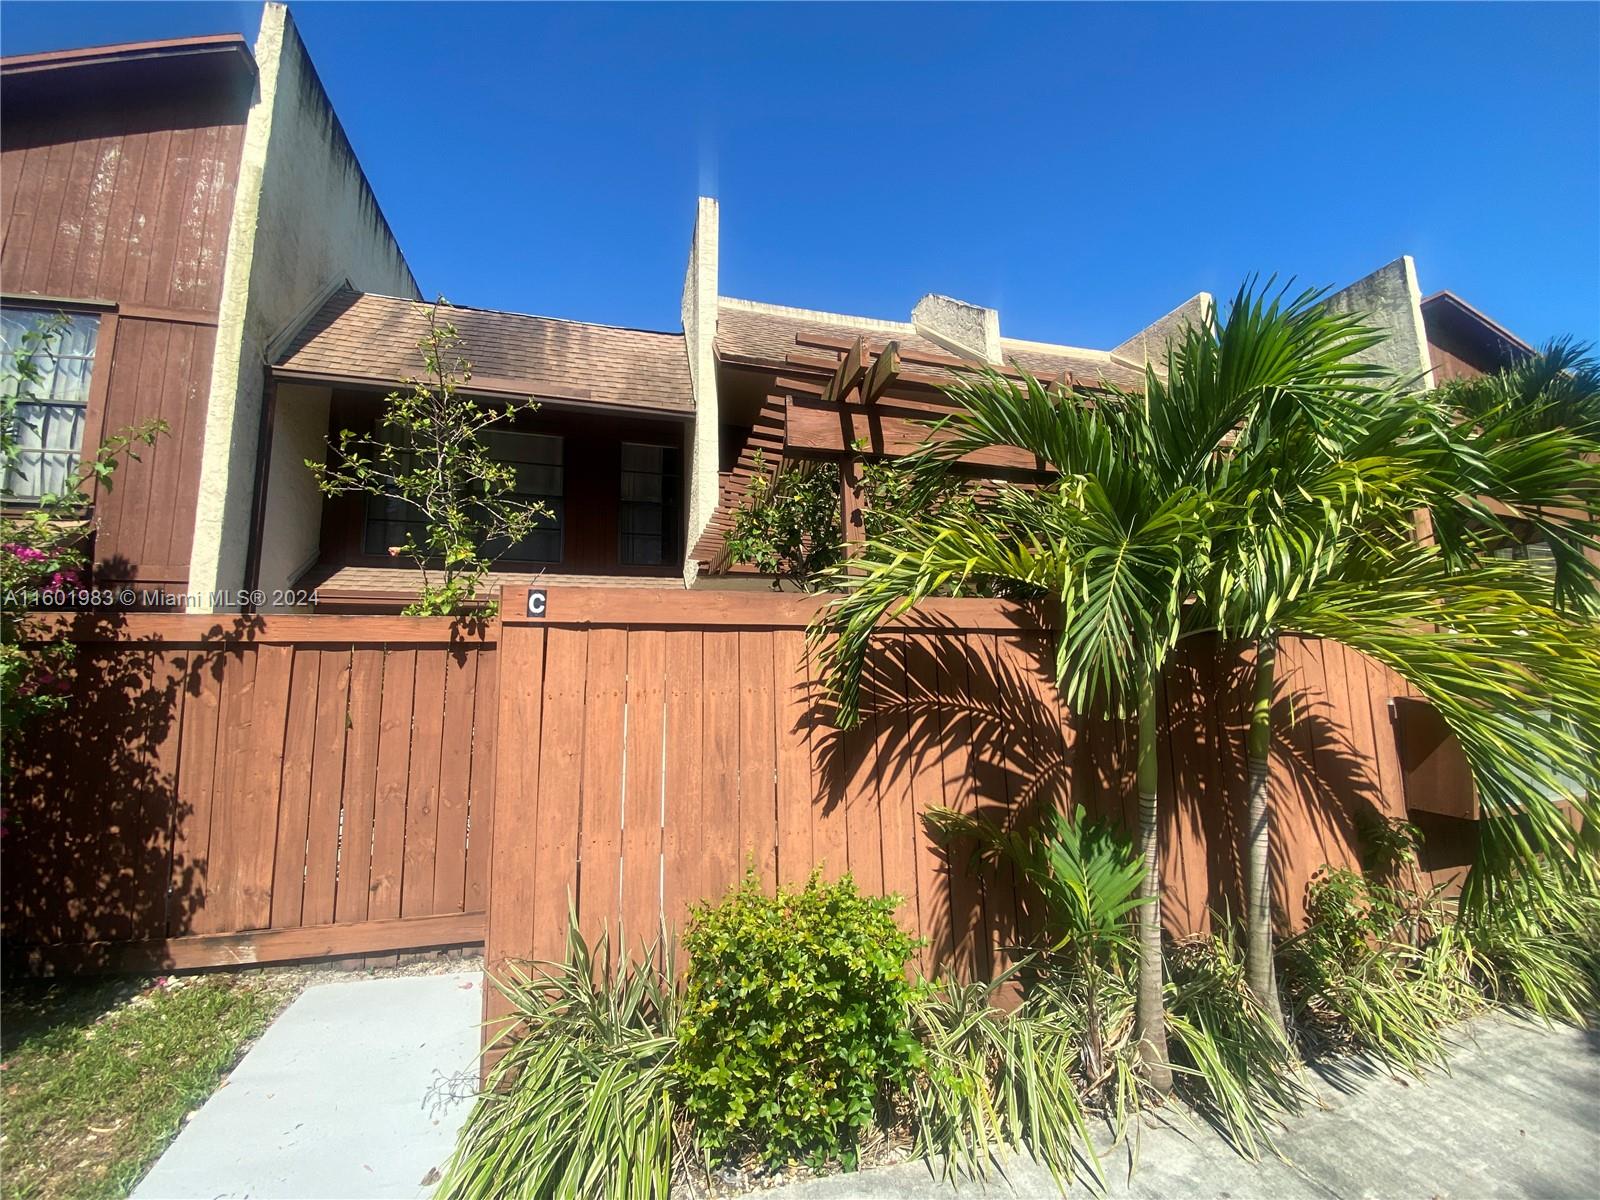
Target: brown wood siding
129,203
592,450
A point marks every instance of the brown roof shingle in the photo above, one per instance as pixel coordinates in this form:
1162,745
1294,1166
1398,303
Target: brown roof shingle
373,339
770,336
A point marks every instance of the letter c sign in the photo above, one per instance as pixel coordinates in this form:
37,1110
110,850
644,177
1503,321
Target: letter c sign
537,602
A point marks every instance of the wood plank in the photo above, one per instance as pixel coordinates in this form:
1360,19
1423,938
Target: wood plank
819,428
560,789
758,818
294,803
327,787
422,791
455,782
897,816
642,795
858,769
992,785
792,714
830,780
394,771
257,946
510,920
256,821
480,814
168,674
720,772
328,629
683,838
970,958
925,750
600,732
221,912
353,894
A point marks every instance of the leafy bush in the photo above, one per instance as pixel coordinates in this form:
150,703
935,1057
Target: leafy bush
795,1019
1358,980
580,1104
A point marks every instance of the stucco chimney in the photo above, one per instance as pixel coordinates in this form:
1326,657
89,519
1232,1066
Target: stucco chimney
1150,344
966,329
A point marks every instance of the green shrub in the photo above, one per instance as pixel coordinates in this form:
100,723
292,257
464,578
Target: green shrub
1535,945
795,1019
580,1104
1357,979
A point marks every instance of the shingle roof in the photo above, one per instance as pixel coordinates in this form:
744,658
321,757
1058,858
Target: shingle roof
373,339
768,335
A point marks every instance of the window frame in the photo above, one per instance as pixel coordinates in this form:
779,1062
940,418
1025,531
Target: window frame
94,416
676,533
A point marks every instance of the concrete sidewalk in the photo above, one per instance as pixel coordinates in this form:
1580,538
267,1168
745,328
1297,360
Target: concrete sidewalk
1517,1116
357,1090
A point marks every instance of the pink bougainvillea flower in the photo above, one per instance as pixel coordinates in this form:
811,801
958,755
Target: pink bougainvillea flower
25,553
394,551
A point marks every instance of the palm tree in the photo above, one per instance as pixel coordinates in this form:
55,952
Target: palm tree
1121,538
1264,483
1468,465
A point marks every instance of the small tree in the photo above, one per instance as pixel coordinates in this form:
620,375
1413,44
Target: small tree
788,526
428,454
44,546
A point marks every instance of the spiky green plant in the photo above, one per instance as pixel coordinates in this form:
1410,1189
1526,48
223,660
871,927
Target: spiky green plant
997,1078
579,1106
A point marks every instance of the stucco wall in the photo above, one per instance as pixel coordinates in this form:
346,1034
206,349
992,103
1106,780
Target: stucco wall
1390,299
291,533
700,336
304,218
1153,341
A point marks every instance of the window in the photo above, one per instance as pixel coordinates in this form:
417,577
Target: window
1535,553
649,516
539,477
53,407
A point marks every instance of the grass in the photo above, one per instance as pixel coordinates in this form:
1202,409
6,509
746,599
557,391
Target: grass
99,1074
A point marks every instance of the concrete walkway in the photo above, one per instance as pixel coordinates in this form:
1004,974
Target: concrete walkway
357,1090
1518,1116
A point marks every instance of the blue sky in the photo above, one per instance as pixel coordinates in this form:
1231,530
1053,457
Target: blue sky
1082,168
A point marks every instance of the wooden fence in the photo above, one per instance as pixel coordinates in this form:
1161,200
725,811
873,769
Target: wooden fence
252,789
667,741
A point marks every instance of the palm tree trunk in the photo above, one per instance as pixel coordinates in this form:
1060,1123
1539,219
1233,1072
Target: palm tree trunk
1258,946
1150,1012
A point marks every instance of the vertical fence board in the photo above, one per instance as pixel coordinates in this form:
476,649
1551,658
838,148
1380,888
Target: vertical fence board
480,810
422,786
685,836
897,819
642,791
792,737
758,822
394,771
561,754
516,844
600,721
353,896
256,821
294,803
720,772
455,782
327,787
